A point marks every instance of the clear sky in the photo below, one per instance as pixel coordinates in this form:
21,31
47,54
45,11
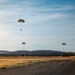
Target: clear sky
48,24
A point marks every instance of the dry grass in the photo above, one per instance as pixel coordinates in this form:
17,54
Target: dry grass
19,60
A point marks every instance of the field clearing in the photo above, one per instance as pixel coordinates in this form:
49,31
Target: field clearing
11,61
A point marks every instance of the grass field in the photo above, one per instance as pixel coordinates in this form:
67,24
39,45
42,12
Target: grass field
6,62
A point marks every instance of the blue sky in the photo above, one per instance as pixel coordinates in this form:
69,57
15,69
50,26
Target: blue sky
48,24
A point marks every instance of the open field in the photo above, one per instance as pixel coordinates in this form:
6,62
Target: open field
46,66
11,61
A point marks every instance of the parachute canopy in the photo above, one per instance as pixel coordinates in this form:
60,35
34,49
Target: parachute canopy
23,43
21,21
63,43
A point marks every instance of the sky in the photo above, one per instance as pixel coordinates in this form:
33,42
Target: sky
48,24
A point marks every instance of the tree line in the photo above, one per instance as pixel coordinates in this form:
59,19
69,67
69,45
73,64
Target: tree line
38,53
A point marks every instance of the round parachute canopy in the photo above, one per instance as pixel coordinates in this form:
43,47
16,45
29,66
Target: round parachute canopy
63,43
23,43
21,21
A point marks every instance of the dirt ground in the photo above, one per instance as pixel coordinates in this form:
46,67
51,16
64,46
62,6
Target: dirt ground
57,67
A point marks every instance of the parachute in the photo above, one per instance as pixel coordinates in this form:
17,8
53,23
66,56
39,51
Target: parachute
21,21
23,43
63,43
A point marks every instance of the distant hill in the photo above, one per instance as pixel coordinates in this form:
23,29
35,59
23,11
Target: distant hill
36,53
